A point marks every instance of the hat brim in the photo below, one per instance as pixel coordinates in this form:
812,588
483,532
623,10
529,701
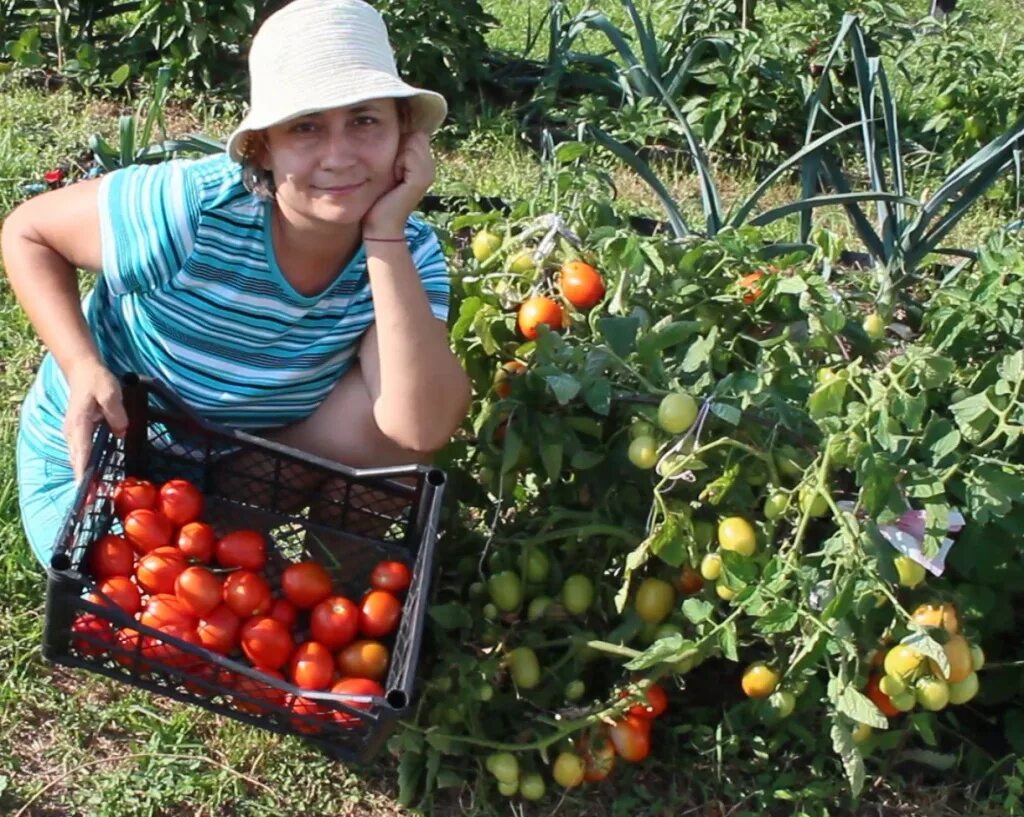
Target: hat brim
428,110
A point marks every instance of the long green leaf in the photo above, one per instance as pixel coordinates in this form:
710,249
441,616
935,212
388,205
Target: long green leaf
995,153
156,107
815,104
615,36
865,230
126,131
744,209
784,210
642,169
648,41
710,199
722,47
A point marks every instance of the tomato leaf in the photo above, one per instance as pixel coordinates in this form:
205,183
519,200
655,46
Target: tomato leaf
853,762
551,455
467,312
699,353
667,541
451,616
668,649
783,618
565,387
856,705
433,765
935,760
730,414
727,641
827,400
410,769
924,725
697,610
598,396
926,645
619,333
511,450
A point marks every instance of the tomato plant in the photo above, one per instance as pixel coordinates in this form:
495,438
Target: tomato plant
581,284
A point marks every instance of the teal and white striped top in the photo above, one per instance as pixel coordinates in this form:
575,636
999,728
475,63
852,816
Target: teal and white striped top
191,294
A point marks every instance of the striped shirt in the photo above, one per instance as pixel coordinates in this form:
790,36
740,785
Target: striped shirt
191,294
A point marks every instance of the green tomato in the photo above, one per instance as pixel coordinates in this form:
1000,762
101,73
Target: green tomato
904,701
962,691
932,693
491,611
943,102
775,505
568,770
874,326
508,789
535,565
485,693
485,244
711,566
531,787
755,473
577,594
782,703
892,685
524,667
974,126
643,452
538,608
676,412
641,428
707,317
861,732
911,574
574,690
789,461
504,766
655,599
813,503
977,657
506,590
522,262
737,534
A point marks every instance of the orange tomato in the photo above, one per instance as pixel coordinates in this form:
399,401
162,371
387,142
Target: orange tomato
581,284
122,591
158,570
305,584
200,589
355,686
749,283
111,555
197,541
364,659
148,529
311,666
880,699
503,379
379,614
247,593
132,493
537,310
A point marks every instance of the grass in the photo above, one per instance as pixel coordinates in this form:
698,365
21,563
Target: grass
72,743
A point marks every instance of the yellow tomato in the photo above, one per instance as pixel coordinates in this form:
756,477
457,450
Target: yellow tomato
759,681
736,534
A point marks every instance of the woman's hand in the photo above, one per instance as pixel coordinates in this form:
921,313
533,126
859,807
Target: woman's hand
94,395
414,173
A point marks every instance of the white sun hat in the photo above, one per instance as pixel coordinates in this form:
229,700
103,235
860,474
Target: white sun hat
314,55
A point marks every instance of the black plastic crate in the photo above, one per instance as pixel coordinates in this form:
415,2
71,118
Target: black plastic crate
380,513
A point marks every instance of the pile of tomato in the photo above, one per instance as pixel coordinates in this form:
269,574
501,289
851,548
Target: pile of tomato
171,571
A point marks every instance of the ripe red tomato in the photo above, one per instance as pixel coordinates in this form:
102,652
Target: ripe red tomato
284,611
355,686
598,754
631,738
247,593
364,659
311,666
310,711
260,695
655,704
200,589
132,493
219,629
111,555
379,614
121,591
688,581
95,634
537,310
266,642
171,655
164,610
305,584
242,548
157,570
197,541
581,284
148,529
334,622
180,501
395,577
125,647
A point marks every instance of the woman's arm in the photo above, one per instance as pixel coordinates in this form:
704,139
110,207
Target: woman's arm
44,241
419,389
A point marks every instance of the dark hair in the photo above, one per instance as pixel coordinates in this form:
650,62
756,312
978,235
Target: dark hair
260,181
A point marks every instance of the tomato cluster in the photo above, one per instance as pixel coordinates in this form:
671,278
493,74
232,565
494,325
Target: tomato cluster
581,285
171,571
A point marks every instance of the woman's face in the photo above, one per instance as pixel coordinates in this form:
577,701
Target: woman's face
331,166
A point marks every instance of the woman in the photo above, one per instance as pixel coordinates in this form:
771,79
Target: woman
283,287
